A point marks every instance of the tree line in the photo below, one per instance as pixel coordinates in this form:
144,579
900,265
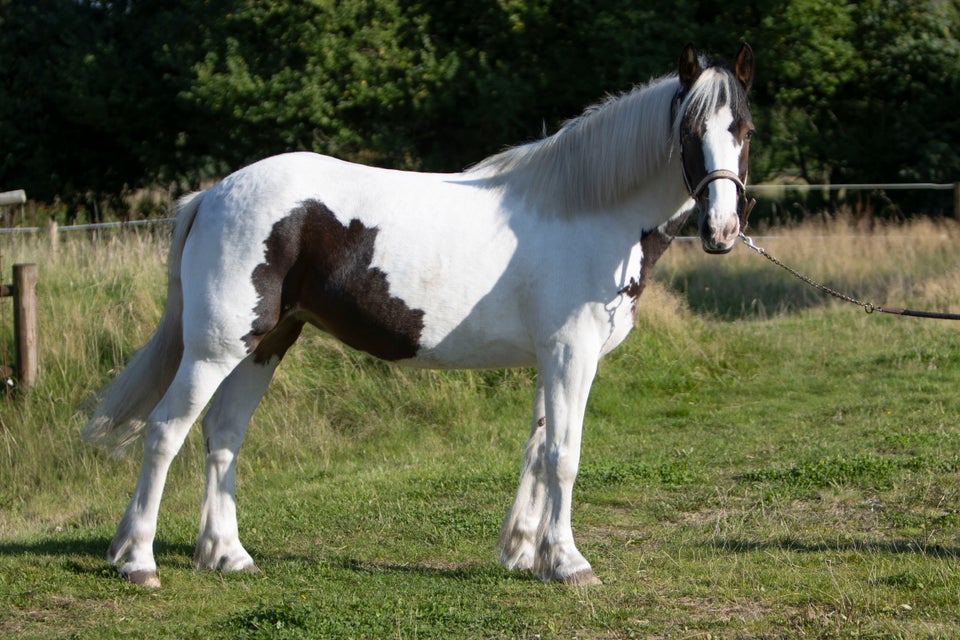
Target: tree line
99,98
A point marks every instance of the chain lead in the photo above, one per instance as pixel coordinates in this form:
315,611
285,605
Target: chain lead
867,306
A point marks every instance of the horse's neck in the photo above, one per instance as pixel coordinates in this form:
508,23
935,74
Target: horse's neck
656,200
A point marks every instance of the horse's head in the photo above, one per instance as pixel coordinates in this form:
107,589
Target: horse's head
714,127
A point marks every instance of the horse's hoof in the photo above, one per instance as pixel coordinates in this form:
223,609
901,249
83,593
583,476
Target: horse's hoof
148,579
582,578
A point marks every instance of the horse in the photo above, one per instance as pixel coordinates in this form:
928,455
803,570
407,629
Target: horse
535,256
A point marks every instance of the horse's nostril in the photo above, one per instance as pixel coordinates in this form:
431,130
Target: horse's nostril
732,228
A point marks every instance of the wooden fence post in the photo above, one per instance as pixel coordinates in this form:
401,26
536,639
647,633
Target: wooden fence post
53,231
25,278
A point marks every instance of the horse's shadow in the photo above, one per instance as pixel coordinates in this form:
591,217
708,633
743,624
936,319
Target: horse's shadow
88,555
752,292
58,546
788,543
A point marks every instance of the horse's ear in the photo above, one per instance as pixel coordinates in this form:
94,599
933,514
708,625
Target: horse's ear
743,67
689,69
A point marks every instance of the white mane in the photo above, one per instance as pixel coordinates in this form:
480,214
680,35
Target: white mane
608,151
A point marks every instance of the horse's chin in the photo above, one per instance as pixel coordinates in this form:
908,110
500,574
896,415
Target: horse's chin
717,250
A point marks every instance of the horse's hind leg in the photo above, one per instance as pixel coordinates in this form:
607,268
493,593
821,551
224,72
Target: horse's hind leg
224,426
167,427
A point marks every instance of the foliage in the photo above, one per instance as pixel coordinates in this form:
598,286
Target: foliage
100,98
353,79
914,72
818,57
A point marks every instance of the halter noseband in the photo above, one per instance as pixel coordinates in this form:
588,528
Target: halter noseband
722,174
719,174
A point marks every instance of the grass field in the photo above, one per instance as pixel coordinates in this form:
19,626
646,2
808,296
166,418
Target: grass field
759,462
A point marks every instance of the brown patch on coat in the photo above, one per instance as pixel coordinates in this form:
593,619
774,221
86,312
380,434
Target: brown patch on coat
317,270
653,243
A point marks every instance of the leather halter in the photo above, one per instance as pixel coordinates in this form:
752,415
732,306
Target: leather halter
723,174
718,174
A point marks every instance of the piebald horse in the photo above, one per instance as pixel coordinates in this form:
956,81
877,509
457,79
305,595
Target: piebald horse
533,257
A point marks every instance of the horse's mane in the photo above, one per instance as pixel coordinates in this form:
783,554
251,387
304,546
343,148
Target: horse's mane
609,150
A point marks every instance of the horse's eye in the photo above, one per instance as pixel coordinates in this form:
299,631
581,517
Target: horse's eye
749,134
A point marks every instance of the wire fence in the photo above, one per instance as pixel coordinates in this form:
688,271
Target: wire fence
896,186
757,189
88,227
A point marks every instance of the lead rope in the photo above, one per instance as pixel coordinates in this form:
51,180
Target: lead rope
869,307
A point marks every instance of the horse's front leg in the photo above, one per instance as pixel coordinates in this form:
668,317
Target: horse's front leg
518,544
568,376
538,530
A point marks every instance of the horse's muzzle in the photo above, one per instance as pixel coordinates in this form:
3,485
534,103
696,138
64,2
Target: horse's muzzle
719,237
718,241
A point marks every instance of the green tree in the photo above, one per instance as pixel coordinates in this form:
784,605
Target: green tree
88,108
528,65
810,58
97,98
348,79
902,119
58,100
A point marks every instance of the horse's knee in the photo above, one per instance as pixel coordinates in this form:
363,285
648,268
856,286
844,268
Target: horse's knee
562,466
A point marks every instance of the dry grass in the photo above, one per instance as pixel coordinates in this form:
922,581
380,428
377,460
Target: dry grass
97,302
910,265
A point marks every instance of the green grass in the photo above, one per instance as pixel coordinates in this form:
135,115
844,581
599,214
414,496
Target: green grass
758,462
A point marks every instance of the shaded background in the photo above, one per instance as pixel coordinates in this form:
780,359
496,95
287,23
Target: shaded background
99,99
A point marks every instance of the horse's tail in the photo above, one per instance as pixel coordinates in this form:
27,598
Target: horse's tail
124,404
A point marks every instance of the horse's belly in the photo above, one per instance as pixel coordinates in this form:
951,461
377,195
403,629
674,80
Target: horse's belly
462,270
477,342
471,318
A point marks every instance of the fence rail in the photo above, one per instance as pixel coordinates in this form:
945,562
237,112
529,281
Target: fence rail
895,186
86,227
53,228
779,189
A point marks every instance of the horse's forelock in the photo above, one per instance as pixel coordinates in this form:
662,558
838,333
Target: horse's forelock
714,89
